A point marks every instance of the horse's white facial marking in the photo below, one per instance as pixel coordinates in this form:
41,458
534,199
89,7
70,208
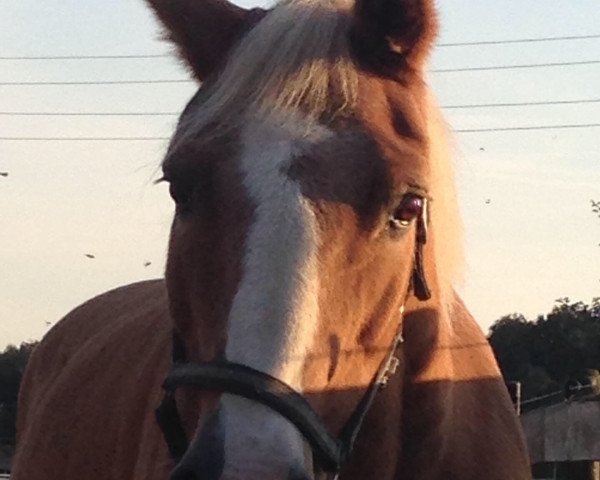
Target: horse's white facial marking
274,313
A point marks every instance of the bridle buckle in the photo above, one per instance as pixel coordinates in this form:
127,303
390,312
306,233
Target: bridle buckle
391,370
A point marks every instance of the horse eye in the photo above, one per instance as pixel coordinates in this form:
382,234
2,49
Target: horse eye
181,196
409,209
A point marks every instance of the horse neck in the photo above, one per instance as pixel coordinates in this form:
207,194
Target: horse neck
458,420
428,422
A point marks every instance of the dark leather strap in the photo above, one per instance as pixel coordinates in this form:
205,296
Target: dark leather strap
419,281
169,421
330,453
254,385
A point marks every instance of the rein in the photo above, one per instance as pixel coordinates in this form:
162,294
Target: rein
331,453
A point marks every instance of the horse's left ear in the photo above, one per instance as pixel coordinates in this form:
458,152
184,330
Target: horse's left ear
204,30
391,34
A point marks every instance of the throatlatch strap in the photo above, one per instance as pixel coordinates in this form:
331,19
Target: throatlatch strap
352,427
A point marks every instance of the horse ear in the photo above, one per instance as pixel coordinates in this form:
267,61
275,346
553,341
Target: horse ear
394,33
204,31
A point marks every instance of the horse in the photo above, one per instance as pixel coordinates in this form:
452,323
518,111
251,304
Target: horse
308,326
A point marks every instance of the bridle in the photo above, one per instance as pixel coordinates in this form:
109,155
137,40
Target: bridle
330,453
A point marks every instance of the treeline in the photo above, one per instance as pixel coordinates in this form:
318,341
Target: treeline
555,353
12,366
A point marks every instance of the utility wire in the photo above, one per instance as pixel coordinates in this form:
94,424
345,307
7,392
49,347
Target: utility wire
90,114
533,127
183,80
85,57
515,67
165,55
522,40
522,104
478,130
84,139
164,114
101,82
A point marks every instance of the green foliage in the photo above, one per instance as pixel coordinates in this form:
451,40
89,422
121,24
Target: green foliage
546,353
12,365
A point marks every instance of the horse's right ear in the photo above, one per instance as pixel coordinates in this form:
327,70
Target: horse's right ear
204,31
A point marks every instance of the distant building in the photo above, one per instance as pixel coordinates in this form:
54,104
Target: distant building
564,439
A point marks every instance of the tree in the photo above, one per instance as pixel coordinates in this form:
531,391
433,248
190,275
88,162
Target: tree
516,331
12,365
546,354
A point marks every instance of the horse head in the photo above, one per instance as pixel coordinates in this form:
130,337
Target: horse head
314,204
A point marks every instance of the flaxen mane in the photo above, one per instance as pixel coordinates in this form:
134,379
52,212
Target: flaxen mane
296,58
446,221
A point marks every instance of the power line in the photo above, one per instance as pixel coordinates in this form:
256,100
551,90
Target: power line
100,82
85,57
521,104
534,127
182,80
165,114
118,139
166,55
515,67
84,139
522,40
90,114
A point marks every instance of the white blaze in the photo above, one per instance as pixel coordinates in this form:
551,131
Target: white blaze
274,313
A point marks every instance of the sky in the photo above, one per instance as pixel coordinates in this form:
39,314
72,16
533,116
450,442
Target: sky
531,236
